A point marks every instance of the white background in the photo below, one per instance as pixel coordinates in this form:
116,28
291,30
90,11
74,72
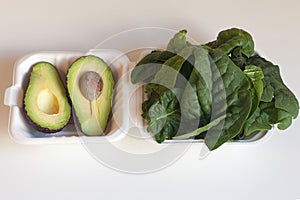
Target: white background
268,170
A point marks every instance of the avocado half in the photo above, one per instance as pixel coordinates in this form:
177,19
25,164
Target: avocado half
45,101
90,85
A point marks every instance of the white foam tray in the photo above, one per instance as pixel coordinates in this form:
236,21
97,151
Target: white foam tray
126,109
23,133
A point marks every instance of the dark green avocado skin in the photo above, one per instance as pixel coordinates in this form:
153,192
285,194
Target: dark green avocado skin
38,127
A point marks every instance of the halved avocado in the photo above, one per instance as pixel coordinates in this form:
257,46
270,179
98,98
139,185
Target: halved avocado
90,85
45,102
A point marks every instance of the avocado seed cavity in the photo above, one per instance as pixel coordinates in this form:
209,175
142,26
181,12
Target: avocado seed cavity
91,85
47,102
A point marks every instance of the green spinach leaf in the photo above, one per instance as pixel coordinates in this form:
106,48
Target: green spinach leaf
178,42
229,39
196,101
255,75
164,117
146,69
230,96
154,92
265,116
274,88
169,71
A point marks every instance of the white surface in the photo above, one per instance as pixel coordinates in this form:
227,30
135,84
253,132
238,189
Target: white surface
269,170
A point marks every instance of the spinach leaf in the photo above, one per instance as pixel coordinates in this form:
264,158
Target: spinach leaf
204,84
277,116
265,116
154,91
190,103
202,65
185,72
238,57
178,42
274,88
169,71
196,101
258,121
255,75
278,104
164,117
146,69
229,39
230,96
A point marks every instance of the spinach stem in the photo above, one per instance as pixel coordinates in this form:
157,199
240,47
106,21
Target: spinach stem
201,129
166,115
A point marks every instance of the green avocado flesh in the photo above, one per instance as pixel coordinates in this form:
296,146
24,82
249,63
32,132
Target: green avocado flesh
90,85
45,102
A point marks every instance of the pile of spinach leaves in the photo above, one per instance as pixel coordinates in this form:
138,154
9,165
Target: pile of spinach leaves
219,91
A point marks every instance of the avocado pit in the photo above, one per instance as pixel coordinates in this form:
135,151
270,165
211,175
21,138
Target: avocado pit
91,85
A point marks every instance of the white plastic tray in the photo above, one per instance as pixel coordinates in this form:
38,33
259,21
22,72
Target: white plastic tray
126,109
23,133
